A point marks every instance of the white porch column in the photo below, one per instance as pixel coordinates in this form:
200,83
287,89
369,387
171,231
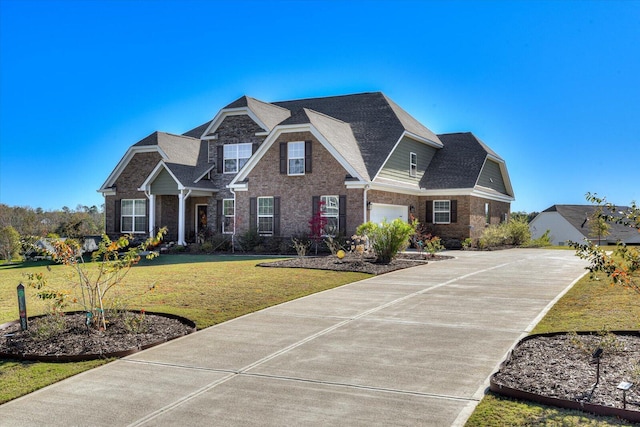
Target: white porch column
181,217
152,214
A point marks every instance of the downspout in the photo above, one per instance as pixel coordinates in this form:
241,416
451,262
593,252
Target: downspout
152,211
366,189
233,234
181,216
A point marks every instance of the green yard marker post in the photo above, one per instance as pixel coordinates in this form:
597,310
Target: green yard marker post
22,306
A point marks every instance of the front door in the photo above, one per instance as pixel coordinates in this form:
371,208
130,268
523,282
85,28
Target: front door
201,219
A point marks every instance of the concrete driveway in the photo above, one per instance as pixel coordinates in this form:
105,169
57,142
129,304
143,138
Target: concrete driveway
413,347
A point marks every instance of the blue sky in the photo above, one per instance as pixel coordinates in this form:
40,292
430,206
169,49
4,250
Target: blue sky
552,86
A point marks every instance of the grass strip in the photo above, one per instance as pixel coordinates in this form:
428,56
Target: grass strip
204,288
592,304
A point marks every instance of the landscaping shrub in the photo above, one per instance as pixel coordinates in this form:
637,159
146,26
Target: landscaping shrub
388,238
250,240
515,232
542,241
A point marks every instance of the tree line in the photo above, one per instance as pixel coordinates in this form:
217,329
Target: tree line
21,226
79,222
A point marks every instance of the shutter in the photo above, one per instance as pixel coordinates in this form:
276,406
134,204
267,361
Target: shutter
220,214
429,218
283,157
307,157
220,162
342,214
253,213
116,217
454,211
276,216
315,204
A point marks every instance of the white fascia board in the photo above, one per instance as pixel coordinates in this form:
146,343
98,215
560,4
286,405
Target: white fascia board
239,186
503,171
421,139
449,192
122,164
146,185
274,135
354,185
398,189
491,195
506,178
226,112
205,172
199,192
107,192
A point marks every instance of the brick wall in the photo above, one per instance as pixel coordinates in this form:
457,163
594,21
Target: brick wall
296,192
232,130
471,218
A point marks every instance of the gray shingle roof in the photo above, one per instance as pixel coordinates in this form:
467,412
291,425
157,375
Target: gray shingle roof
577,214
457,165
367,127
183,154
375,122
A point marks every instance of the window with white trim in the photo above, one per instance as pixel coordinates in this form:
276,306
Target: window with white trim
295,151
413,164
211,151
235,156
228,211
330,210
442,211
133,215
265,215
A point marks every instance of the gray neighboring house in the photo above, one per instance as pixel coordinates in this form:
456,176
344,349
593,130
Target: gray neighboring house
270,166
571,223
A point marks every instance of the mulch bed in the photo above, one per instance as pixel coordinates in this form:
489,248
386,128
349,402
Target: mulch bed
562,367
352,263
47,339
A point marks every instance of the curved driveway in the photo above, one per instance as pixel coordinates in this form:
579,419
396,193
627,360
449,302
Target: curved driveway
413,347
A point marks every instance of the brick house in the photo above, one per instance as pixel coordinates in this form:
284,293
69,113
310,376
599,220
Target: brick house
271,166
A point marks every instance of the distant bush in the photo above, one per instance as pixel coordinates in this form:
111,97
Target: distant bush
515,232
542,241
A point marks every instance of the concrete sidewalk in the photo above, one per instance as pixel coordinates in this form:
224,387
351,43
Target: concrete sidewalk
413,347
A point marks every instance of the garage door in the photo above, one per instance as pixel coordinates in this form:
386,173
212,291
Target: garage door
380,212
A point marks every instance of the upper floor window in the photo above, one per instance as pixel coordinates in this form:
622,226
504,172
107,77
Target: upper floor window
133,215
235,156
413,164
296,158
441,211
211,151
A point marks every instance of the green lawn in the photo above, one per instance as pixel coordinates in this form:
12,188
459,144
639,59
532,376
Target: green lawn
206,289
213,289
591,305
